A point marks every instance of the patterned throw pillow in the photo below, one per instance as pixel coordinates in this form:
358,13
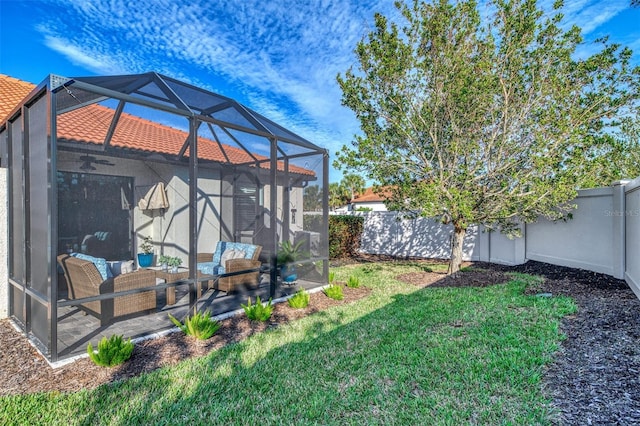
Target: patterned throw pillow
231,254
100,263
222,246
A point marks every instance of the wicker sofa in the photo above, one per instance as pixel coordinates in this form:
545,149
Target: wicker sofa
85,280
218,265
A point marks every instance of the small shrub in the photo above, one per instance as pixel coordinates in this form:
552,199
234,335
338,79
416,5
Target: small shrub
334,292
200,325
353,282
173,261
345,233
300,299
259,311
332,276
111,352
289,253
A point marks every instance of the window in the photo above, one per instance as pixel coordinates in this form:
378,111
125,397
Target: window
245,204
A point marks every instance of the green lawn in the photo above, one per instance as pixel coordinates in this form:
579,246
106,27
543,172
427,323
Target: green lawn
400,356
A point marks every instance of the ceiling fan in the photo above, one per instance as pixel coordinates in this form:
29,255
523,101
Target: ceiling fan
88,161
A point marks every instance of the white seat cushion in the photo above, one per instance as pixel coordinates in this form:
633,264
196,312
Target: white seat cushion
231,254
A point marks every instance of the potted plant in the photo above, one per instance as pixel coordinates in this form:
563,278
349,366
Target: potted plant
286,257
174,263
145,257
163,260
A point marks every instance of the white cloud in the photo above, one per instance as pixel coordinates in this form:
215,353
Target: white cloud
98,63
282,57
279,57
588,14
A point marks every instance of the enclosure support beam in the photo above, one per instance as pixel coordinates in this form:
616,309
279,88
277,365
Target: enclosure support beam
273,217
193,210
286,202
113,125
325,210
24,142
53,226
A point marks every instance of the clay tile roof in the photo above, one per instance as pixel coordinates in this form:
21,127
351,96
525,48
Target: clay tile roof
138,134
12,91
370,197
91,123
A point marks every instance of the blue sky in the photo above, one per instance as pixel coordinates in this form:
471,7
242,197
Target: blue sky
277,57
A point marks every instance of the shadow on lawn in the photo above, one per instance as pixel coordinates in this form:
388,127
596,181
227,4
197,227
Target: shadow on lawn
371,368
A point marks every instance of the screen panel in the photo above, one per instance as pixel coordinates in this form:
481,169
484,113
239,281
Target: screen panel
40,323
16,220
39,226
16,200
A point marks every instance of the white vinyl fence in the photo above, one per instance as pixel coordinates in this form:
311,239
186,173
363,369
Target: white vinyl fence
585,242
388,233
603,236
631,247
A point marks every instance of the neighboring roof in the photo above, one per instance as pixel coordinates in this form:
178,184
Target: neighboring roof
371,197
90,125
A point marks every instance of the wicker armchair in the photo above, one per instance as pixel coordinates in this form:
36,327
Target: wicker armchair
84,280
229,283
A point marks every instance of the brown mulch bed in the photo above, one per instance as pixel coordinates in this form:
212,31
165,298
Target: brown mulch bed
594,378
23,370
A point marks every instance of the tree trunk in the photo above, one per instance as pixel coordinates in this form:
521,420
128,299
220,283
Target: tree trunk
457,239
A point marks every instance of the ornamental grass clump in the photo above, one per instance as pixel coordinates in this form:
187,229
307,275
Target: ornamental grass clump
300,299
258,311
200,325
111,352
334,292
353,282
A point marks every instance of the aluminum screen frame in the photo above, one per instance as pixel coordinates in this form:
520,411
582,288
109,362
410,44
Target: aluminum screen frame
31,148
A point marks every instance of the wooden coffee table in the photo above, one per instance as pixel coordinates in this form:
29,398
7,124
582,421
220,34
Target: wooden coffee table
172,277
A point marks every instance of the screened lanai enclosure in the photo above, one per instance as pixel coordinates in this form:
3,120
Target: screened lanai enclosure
104,169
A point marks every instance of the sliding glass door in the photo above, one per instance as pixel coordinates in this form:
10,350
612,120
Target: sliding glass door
95,215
